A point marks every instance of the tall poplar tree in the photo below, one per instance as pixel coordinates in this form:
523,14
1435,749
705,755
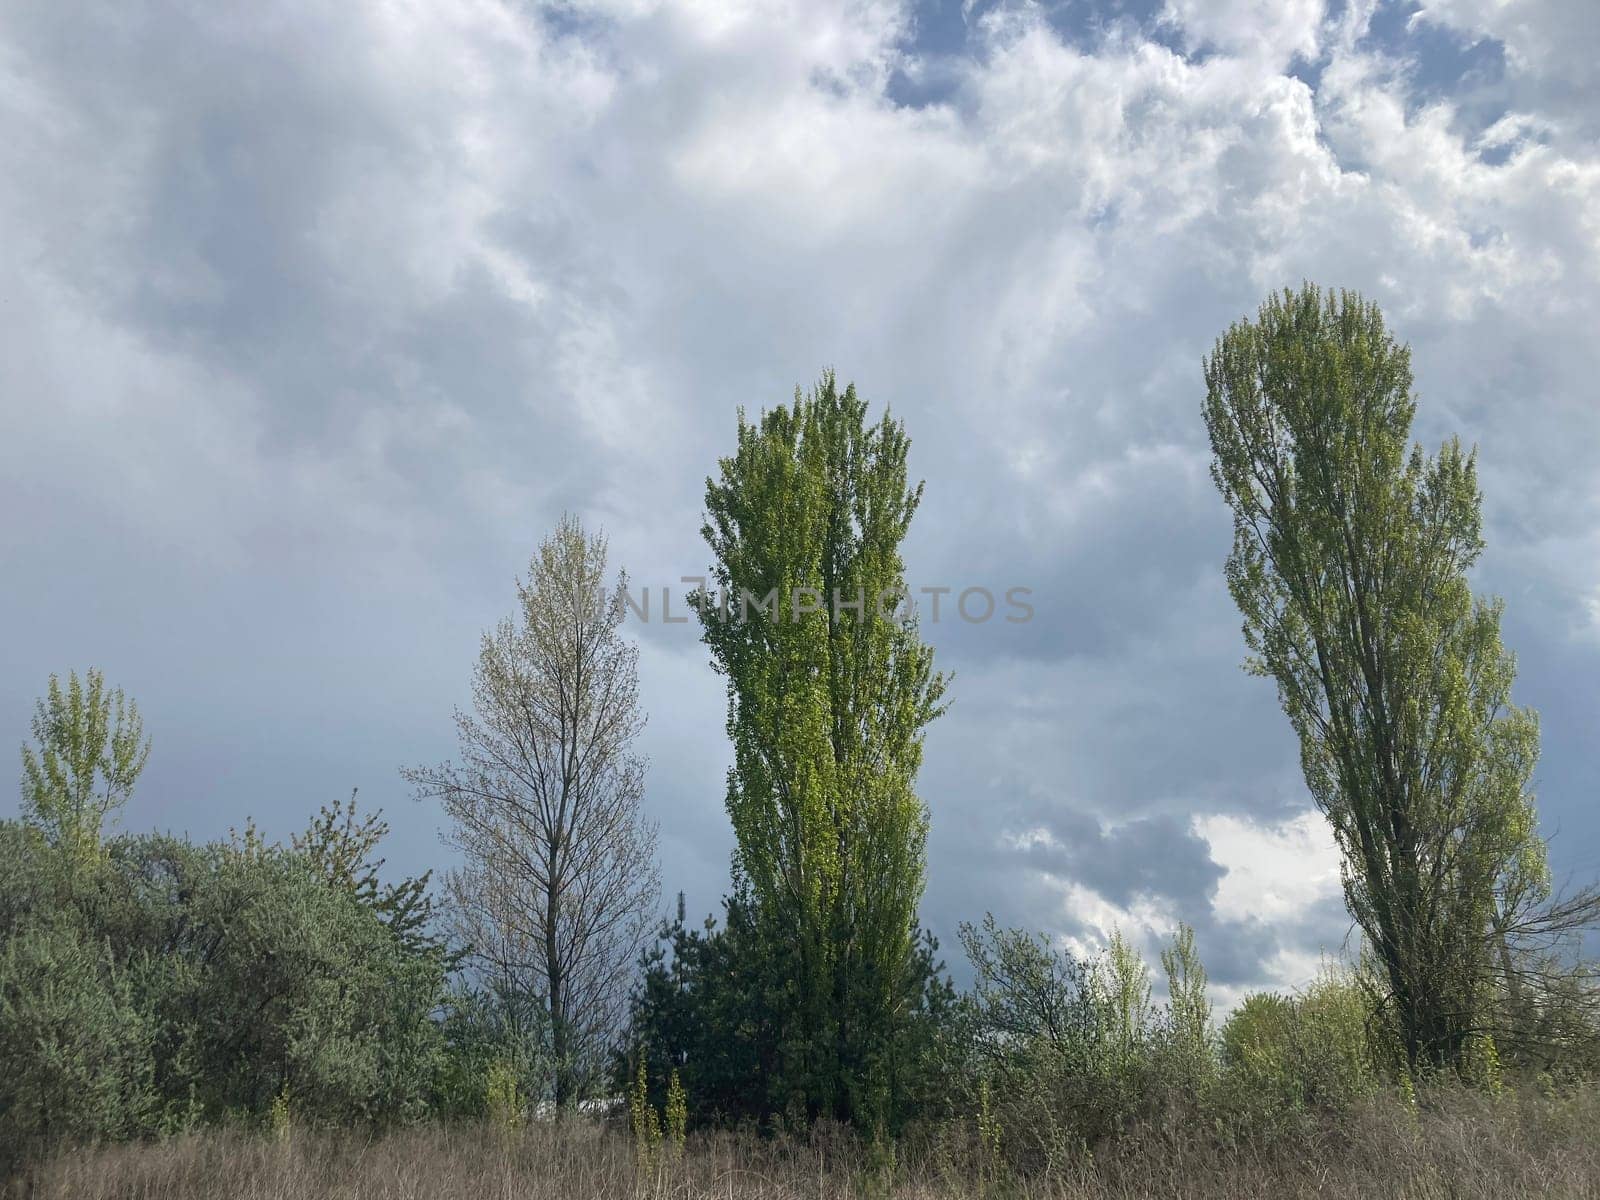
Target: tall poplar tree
1349,564
829,690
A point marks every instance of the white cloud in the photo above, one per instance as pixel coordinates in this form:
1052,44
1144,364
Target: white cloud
1271,30
1274,872
1144,923
1546,41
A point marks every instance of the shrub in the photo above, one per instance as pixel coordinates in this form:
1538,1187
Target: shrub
502,1097
76,1052
1288,1054
493,1028
216,977
677,1115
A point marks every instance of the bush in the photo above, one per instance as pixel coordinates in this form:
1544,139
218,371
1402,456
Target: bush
163,982
1285,1055
491,1031
76,1052
264,978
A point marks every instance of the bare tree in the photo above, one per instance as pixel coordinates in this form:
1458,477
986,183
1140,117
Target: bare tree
559,879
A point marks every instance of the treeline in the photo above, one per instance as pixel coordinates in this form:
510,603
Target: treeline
149,985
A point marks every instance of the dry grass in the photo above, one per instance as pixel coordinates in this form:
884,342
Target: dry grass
1467,1149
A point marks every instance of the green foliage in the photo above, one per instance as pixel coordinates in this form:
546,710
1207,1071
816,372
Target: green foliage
1024,994
503,1104
76,1050
1120,987
280,1117
160,982
1349,564
704,1006
642,1117
990,1133
1062,1054
1188,1001
90,750
341,845
1483,1065
827,706
882,1165
1554,1029
262,977
486,1029
1286,1055
709,1005
676,1115
1187,1046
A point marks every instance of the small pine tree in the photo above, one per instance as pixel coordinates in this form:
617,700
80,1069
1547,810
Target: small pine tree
882,1163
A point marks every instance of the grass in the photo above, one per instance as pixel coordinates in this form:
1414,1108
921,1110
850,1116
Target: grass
1470,1147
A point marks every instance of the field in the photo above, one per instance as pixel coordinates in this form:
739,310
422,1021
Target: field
1470,1147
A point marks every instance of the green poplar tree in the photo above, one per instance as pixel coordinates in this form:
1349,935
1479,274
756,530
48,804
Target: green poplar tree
1349,563
829,690
90,748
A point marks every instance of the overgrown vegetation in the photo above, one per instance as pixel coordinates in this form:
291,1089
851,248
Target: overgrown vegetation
278,1019
1455,1144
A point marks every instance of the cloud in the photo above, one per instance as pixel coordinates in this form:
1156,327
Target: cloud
1271,873
318,318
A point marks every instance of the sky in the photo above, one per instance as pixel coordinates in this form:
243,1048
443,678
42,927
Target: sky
318,317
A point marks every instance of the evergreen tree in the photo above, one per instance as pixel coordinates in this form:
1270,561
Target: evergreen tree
341,845
709,1008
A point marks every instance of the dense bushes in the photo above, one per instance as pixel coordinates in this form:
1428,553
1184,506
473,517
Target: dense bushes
76,1048
1064,1052
496,1050
154,983
1048,1059
1318,1049
1048,1052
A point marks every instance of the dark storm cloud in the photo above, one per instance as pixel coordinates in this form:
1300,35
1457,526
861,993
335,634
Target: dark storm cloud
1149,856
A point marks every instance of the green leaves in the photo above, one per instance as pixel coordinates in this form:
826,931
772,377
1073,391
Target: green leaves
160,983
1349,564
77,1052
828,696
91,749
